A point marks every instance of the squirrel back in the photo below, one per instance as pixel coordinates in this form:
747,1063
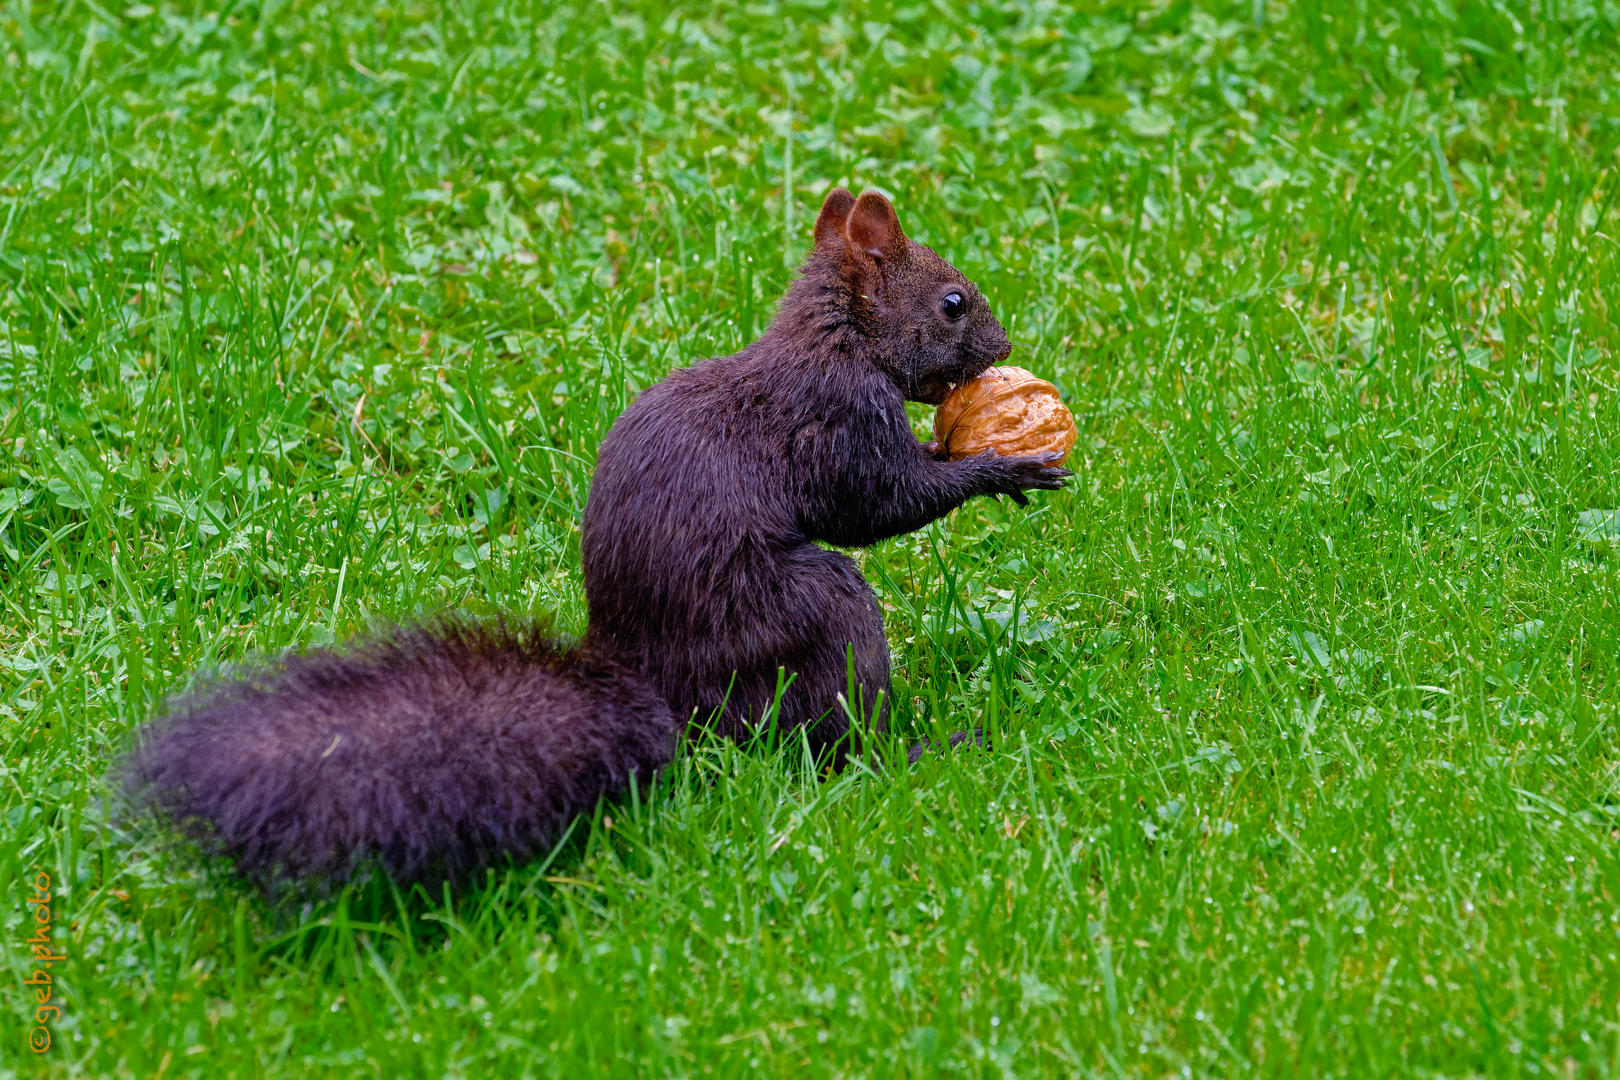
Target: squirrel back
438,749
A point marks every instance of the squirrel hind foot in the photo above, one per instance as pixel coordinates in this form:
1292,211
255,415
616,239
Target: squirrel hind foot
957,738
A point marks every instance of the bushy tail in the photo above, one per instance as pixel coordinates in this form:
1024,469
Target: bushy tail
430,750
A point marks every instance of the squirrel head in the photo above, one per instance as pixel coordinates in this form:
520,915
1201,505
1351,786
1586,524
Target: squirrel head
930,326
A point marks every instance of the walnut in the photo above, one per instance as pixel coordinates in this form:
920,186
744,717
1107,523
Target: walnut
1006,409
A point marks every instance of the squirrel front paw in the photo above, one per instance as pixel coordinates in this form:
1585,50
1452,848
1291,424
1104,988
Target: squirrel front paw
1015,475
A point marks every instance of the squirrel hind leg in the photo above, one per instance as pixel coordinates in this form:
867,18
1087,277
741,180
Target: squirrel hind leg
431,752
838,623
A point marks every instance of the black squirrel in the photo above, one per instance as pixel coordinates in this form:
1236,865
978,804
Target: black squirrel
437,749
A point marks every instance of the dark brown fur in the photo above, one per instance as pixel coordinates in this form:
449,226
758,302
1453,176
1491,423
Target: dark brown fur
436,750
432,750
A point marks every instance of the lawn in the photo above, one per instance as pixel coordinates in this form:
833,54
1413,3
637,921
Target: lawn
1302,697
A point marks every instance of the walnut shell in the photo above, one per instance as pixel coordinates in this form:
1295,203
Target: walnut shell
1008,410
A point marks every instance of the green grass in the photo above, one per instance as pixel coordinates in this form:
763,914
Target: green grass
1303,695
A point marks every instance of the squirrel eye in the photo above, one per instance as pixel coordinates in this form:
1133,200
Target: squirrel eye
953,305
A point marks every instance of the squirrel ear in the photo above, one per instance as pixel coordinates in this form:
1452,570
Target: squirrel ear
874,230
834,212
